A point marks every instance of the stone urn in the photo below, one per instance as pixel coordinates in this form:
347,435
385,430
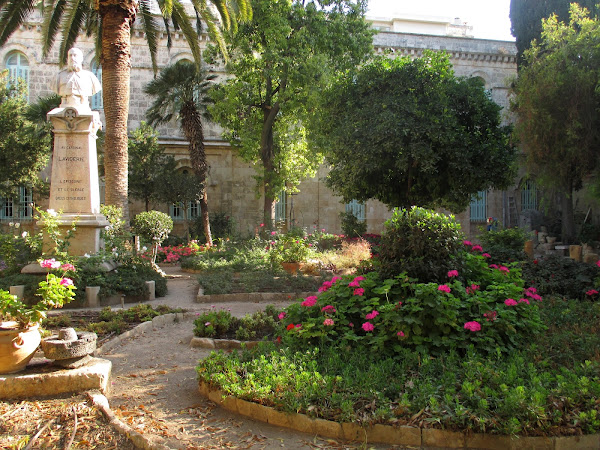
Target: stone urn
17,346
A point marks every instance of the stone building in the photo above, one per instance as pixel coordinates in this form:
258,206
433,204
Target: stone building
231,187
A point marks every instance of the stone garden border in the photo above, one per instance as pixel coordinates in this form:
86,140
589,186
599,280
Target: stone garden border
256,297
386,434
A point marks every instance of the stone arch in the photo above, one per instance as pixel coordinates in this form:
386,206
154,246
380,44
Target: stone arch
18,66
180,56
483,76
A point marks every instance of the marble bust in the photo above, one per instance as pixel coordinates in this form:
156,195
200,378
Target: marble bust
74,84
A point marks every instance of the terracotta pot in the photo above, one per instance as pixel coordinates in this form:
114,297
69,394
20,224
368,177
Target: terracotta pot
291,267
17,347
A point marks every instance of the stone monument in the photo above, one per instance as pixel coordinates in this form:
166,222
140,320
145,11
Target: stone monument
74,189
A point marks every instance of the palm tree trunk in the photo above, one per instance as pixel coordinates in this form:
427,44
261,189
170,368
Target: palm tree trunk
117,20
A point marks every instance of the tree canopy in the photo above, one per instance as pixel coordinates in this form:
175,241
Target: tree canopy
24,146
526,18
557,104
280,62
408,132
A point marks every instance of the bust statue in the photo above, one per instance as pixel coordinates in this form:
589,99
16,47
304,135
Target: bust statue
74,84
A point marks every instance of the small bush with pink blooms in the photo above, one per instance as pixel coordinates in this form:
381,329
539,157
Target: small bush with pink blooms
475,307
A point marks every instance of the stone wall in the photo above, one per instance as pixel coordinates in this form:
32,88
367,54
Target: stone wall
231,187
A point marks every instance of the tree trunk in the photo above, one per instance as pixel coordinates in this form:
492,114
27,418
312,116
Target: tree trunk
117,20
267,156
568,219
191,123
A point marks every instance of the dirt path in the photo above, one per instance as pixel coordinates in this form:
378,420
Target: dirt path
154,387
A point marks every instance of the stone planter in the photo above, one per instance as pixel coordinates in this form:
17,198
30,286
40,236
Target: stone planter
17,347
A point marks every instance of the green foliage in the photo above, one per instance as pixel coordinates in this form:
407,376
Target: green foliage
24,146
505,245
508,395
276,82
289,248
59,242
388,315
443,135
18,249
557,275
116,237
556,102
222,226
221,324
351,226
420,242
149,167
154,226
213,323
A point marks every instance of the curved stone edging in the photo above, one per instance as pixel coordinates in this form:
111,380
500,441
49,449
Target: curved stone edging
136,438
224,344
391,435
158,321
255,297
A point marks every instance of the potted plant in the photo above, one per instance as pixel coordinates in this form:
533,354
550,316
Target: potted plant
289,252
19,322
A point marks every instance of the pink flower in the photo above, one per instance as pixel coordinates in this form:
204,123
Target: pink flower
510,302
472,326
591,292
444,288
298,325
493,266
67,266
486,255
368,326
491,315
328,309
309,301
358,291
354,283
262,224
524,300
66,282
50,264
351,325
503,269
326,285
598,263
471,289
328,322
282,315
207,324
477,248
273,233
452,273
372,315
468,243
400,333
359,278
335,280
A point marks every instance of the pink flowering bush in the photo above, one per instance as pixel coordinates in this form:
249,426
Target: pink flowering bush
474,307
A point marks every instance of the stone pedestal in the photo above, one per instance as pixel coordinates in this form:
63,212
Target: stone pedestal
74,189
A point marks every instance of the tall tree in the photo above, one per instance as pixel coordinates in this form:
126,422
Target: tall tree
408,132
24,146
149,166
526,18
280,61
180,93
111,21
558,107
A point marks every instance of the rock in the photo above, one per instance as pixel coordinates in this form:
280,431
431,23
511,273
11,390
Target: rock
56,348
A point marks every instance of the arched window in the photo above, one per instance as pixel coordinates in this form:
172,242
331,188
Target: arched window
96,100
357,209
18,68
479,207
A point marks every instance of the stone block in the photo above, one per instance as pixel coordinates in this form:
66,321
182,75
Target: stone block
489,441
279,419
328,428
18,290
151,289
253,410
591,258
392,435
215,396
227,344
197,342
45,381
92,299
432,437
353,431
587,442
533,443
229,403
575,252
302,423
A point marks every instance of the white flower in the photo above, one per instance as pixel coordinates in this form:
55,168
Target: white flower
11,224
17,225
86,255
24,234
51,212
144,248
107,228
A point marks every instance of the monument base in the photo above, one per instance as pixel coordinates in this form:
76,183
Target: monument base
86,237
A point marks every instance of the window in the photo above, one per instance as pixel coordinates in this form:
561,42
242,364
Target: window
479,207
18,68
176,211
529,196
96,100
280,207
356,208
21,209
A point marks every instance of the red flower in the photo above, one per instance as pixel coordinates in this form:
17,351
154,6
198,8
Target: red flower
290,327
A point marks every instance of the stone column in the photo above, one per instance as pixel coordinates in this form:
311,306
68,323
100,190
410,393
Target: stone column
74,189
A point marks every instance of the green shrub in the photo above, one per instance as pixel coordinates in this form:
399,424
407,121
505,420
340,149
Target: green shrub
216,282
18,250
31,283
214,323
258,325
153,226
557,275
351,226
289,248
420,242
115,236
505,245
486,307
222,226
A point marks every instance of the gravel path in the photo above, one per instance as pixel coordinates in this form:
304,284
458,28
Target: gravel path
154,387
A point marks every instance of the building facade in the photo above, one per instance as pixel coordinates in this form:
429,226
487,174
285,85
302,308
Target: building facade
231,186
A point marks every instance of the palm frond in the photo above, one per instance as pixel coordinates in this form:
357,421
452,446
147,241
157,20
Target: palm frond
52,17
14,13
187,29
75,14
211,23
151,30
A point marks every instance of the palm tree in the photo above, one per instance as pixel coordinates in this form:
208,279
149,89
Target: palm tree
110,21
180,93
